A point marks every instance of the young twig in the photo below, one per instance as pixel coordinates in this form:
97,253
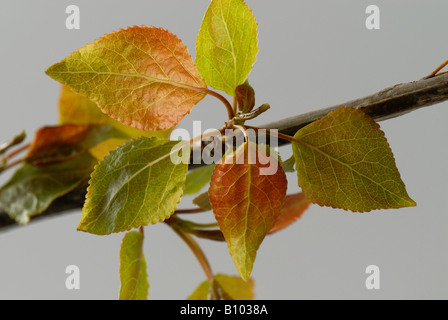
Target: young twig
432,74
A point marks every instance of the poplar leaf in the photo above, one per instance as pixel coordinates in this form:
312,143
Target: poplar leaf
344,161
76,109
134,280
246,203
143,77
203,201
55,144
293,208
139,183
32,189
227,44
245,96
102,149
288,164
233,286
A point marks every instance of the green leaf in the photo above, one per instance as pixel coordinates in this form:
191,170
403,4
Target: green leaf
198,178
227,44
344,161
232,286
143,77
134,280
136,184
32,189
246,203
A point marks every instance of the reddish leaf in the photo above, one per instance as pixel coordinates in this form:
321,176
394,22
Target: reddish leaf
62,143
293,208
246,203
245,96
51,144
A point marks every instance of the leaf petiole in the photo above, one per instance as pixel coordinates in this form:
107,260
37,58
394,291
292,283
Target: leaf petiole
277,134
189,211
200,256
10,165
221,98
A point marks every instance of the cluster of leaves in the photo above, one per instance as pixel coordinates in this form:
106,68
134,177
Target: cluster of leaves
144,81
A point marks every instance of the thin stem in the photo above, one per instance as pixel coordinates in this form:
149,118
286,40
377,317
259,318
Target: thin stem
229,107
235,105
277,134
188,211
200,256
10,165
201,225
243,130
253,114
16,151
203,136
432,74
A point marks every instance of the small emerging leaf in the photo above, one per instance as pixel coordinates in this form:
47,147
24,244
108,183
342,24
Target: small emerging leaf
203,201
344,161
136,184
143,77
134,280
288,164
246,203
245,96
227,44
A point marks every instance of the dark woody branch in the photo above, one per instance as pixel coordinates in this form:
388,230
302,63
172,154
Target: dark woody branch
391,102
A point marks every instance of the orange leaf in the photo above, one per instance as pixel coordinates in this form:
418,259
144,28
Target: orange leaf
51,144
143,77
293,208
246,203
62,143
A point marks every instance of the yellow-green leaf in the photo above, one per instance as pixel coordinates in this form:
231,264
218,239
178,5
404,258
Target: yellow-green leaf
102,149
232,286
80,110
134,280
143,77
227,44
203,201
344,161
139,183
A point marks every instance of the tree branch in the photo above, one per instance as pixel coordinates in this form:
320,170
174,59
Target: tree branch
391,102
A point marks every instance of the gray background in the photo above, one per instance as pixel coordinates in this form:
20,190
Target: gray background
313,54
